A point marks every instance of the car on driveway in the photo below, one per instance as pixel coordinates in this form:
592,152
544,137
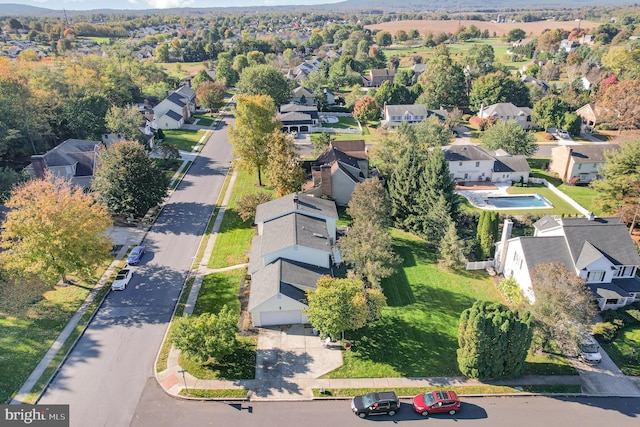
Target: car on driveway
382,402
563,134
434,402
135,255
122,280
589,350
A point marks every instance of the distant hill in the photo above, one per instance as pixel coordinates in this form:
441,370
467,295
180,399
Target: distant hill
24,9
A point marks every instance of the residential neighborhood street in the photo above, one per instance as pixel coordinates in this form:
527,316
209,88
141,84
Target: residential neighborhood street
105,374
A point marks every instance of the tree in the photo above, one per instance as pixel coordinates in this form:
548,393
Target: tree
498,87
564,306
450,250
516,34
252,130
366,109
224,71
207,336
368,244
283,164
383,38
509,136
393,94
339,305
401,36
443,82
493,341
619,105
572,123
240,62
403,187
321,143
619,188
431,132
201,77
8,179
211,94
487,233
248,204
265,80
125,121
127,181
549,112
53,229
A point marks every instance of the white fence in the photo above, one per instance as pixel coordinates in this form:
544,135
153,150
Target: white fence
560,194
479,265
336,130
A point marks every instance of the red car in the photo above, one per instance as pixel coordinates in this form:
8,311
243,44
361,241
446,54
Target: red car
434,402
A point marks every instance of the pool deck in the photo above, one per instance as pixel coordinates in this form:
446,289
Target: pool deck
477,193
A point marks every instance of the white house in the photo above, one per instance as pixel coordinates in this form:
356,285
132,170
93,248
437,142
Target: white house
293,248
508,111
598,250
409,113
469,162
171,112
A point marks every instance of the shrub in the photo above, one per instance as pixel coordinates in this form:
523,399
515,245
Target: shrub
605,331
247,206
511,290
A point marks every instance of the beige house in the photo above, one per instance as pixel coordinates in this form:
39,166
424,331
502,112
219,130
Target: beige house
590,114
579,162
508,111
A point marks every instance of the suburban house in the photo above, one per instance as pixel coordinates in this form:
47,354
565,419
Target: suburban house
376,77
508,111
336,172
394,115
417,70
471,163
598,250
590,114
293,248
73,159
581,163
302,96
298,118
540,84
171,112
568,46
331,97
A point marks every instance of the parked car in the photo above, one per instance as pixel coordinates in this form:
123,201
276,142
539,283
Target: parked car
434,402
122,280
135,255
563,134
589,350
383,402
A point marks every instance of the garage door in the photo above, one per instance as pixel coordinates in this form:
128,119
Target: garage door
284,317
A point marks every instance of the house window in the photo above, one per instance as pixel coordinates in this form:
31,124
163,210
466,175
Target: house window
459,163
595,276
611,301
579,165
624,271
477,164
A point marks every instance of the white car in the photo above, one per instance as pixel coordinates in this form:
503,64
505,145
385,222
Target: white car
122,280
563,134
589,350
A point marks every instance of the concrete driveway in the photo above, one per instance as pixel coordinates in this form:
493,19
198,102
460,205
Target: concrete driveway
288,358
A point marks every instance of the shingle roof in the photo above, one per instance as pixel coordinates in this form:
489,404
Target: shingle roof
590,153
294,117
73,151
175,116
309,109
302,91
353,147
176,98
186,91
629,284
505,109
454,153
413,109
607,290
294,229
544,250
305,204
546,222
511,164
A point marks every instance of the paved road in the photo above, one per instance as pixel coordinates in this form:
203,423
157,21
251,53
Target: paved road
106,373
158,410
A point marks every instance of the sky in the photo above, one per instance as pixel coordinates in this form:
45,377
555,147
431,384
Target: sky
156,4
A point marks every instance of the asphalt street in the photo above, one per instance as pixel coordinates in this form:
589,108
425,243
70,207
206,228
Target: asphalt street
105,375
156,409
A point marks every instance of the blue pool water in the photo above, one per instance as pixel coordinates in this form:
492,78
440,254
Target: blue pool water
519,202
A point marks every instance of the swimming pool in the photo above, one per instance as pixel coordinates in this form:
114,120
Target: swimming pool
525,201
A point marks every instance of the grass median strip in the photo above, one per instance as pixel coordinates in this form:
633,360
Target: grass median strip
227,393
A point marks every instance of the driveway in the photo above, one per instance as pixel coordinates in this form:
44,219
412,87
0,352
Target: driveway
605,378
288,358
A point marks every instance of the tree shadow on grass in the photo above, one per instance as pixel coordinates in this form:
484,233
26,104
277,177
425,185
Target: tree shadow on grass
239,365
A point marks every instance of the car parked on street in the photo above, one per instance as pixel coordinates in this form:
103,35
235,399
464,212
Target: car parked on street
589,350
383,402
434,402
122,280
135,255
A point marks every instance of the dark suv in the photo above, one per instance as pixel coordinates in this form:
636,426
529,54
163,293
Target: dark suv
383,402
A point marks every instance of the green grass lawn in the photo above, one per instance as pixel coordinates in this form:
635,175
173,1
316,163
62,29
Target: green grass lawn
204,119
560,207
620,350
184,139
234,239
343,123
460,390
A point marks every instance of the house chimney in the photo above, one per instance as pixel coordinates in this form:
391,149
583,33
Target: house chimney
481,110
565,175
39,165
325,180
295,199
501,252
315,176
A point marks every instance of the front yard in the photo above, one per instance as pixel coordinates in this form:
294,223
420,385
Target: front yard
184,139
625,350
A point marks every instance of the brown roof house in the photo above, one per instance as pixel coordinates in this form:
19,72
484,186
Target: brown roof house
336,172
74,160
579,162
590,114
378,76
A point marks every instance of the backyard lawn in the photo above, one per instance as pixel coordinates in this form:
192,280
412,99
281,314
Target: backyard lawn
184,139
343,123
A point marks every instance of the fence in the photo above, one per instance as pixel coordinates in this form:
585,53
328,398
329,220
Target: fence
336,130
479,265
560,194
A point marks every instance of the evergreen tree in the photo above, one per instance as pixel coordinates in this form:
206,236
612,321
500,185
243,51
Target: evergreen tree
451,248
436,198
487,233
403,188
493,341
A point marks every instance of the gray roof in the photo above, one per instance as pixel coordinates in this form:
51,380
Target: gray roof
607,290
301,90
309,109
511,164
77,152
305,204
294,117
187,92
419,68
176,98
284,277
591,153
413,109
629,284
546,222
545,250
465,152
294,229
175,116
504,109
607,235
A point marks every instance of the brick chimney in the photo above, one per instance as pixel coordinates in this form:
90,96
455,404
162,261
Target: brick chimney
39,165
315,176
501,254
325,180
567,172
